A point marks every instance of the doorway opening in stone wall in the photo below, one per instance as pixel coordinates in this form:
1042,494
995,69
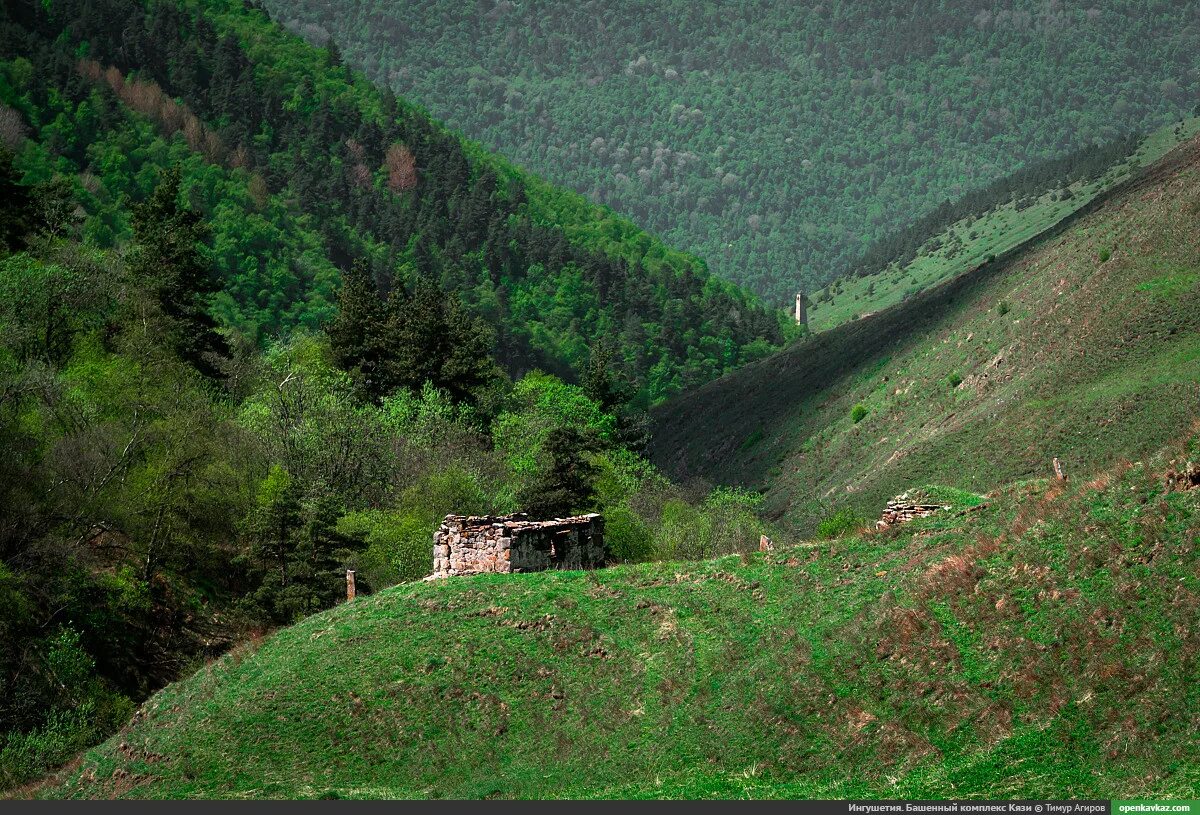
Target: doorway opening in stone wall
559,542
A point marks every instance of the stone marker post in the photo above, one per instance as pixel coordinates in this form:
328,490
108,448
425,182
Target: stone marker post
349,585
1059,473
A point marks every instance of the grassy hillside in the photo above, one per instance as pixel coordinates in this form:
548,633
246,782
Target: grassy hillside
1041,645
777,140
1083,344
970,241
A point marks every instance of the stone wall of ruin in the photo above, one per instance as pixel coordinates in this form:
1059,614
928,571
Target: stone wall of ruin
513,543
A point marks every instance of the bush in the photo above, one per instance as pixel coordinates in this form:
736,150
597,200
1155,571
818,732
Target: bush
726,522
734,521
28,756
629,538
954,380
85,712
400,542
683,534
839,523
1105,254
399,547
1003,308
858,413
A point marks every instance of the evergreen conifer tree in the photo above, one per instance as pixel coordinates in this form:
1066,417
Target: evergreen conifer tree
168,256
567,480
16,204
355,335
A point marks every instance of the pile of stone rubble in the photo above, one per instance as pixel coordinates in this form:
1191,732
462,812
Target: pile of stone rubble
905,508
1186,477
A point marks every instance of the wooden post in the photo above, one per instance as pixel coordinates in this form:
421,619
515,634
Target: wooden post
1059,473
349,585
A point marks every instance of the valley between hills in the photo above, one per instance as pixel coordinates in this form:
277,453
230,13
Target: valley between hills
267,330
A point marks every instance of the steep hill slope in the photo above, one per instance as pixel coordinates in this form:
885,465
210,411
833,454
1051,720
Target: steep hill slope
1083,344
969,241
302,166
1042,645
776,139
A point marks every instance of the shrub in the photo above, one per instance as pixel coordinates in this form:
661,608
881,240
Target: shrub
753,439
623,477
954,380
839,523
858,413
1003,308
1105,254
629,538
28,756
84,712
400,542
399,547
733,519
684,533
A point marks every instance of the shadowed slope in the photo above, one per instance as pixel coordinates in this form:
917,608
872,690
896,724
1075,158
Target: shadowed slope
1082,344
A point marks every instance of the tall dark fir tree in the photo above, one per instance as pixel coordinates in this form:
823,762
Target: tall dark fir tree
168,255
356,333
16,205
566,481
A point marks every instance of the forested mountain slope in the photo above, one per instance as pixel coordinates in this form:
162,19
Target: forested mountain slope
254,321
1084,344
777,140
1042,645
301,166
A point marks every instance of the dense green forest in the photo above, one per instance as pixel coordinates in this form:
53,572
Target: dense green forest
301,166
171,492
777,140
261,323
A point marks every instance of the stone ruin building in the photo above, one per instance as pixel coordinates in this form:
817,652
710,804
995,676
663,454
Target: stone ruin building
513,543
